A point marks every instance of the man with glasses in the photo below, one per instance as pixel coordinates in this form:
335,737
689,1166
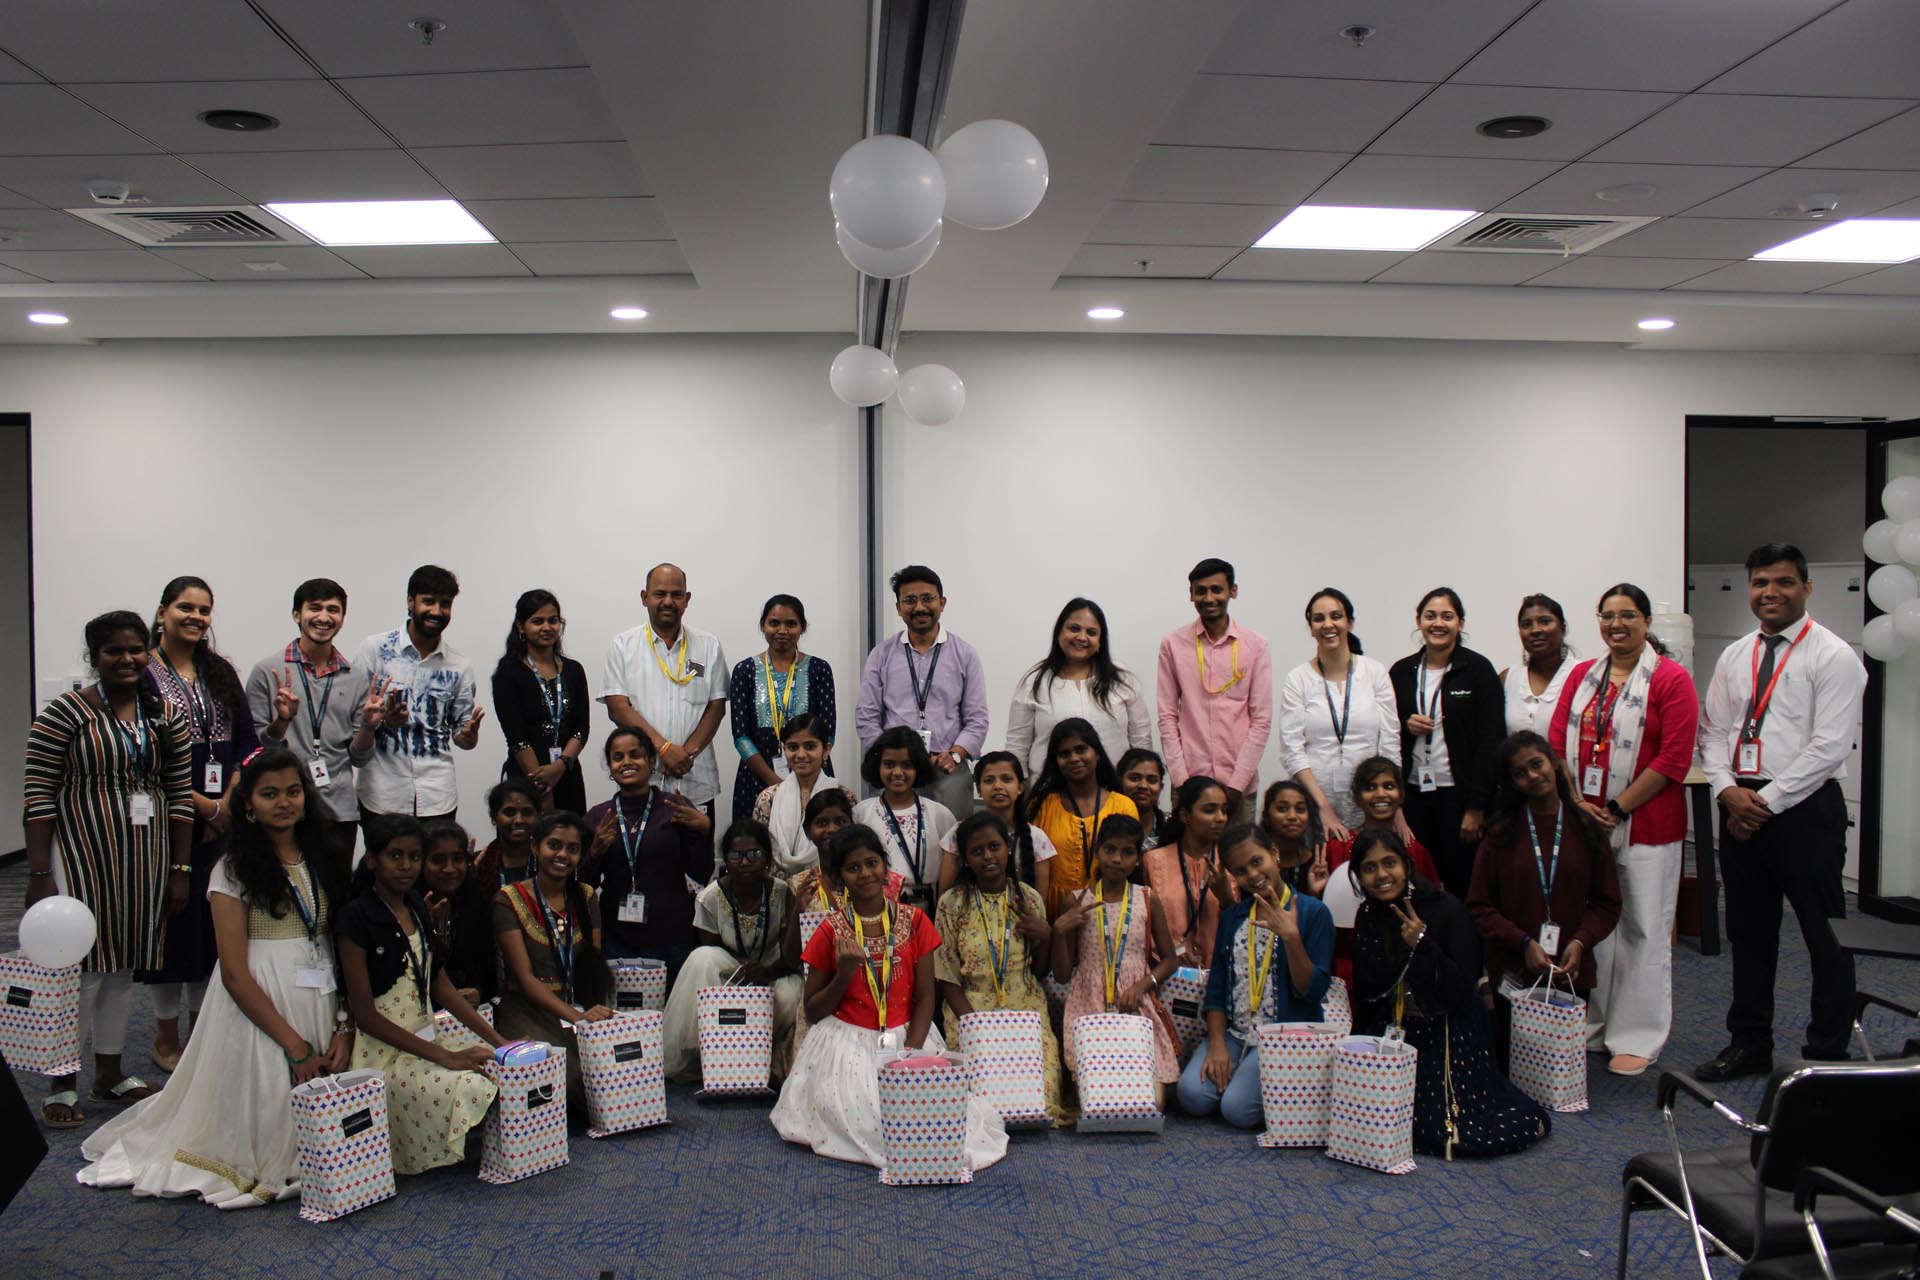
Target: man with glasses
930,680
669,681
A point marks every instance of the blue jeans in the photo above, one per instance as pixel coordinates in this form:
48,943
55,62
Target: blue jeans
1239,1103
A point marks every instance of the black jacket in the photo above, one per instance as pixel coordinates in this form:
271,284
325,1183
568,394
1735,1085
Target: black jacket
368,922
1473,720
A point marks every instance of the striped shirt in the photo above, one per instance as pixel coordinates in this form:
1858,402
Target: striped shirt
638,664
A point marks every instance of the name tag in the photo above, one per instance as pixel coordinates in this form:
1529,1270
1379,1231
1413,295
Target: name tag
317,770
1427,780
633,909
1747,759
140,808
313,977
781,769
1593,782
926,738
214,774
429,1032
1550,938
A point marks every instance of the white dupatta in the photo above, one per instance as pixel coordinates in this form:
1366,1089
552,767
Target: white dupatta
1629,723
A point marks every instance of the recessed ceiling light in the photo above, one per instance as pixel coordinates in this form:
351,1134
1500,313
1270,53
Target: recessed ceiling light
46,317
1855,240
366,222
239,121
1327,226
264,267
1656,322
1508,128
628,313
1104,313
1625,191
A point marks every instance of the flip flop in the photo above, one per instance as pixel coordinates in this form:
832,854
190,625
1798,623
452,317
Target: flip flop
65,1098
130,1089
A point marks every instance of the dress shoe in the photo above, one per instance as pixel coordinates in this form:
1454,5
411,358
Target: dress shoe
1734,1062
1811,1054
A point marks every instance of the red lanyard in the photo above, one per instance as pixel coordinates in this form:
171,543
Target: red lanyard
1600,713
1761,701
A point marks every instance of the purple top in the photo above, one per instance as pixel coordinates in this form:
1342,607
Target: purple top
956,712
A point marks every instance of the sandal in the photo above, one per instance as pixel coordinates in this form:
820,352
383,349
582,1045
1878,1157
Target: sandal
129,1089
69,1102
167,1062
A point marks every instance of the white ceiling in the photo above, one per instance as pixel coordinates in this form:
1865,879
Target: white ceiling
675,154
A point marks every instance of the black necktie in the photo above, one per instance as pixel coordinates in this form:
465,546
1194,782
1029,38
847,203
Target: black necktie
1760,680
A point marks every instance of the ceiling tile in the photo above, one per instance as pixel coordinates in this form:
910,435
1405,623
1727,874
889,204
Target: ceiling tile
10,199
1229,175
1430,182
556,221
41,120
1892,144
419,261
1675,187
610,258
1468,268
371,37
113,266
1412,40
12,72
1730,239
535,172
1902,280
1907,209
313,115
62,181
231,264
1624,273
1164,261
1859,191
1443,123
1863,48
1306,264
36,229
1775,277
108,40
9,276
1708,128
1165,222
1286,114
487,108
1634,44
266,176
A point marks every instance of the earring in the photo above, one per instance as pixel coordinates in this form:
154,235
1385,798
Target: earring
249,815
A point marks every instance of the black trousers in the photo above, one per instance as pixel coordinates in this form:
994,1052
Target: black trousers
1435,819
1797,858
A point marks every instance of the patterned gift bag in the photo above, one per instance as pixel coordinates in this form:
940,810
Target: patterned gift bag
810,922
1371,1122
1296,1081
341,1145
1549,1053
1056,994
639,984
452,1034
40,1019
736,1039
526,1132
1006,1061
1335,1009
1182,994
923,1121
1113,1057
624,1076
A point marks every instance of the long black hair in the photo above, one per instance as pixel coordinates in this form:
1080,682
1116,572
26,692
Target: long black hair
1365,841
1185,796
1051,781
529,603
1021,834
382,831
250,854
592,979
1107,676
1641,603
898,738
1510,806
972,825
110,624
215,673
1353,641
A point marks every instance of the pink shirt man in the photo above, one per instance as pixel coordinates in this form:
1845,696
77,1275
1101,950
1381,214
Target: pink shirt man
1216,703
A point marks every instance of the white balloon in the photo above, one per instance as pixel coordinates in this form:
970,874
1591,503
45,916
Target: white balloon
996,174
1906,621
1906,542
58,932
1881,641
1340,900
932,394
1901,499
1892,585
888,191
863,375
1878,541
885,264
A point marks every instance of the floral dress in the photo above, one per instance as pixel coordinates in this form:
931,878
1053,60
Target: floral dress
1087,993
967,923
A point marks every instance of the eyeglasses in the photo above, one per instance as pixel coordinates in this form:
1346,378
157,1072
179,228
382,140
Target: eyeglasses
743,855
915,601
1625,615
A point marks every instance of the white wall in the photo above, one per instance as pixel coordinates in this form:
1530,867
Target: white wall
573,464
1107,465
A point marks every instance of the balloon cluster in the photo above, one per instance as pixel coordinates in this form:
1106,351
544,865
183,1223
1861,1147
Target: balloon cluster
891,197
1889,543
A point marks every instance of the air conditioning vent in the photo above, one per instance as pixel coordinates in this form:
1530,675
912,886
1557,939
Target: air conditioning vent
241,227
1539,233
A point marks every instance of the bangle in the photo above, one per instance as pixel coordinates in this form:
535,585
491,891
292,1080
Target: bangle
301,1061
39,873
184,868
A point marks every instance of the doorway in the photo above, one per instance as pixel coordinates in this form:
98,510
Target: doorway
17,702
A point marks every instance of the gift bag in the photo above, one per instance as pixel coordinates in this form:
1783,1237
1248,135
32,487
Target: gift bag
40,1020
452,1034
341,1146
1182,994
1296,1081
1371,1118
736,1039
1335,1008
526,1132
620,1066
640,984
1056,994
1113,1060
810,922
1549,1048
923,1121
1006,1059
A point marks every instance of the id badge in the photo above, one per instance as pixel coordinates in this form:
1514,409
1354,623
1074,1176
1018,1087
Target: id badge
781,769
633,909
1427,781
1550,939
317,770
926,738
214,774
427,1032
313,977
1747,760
140,808
1594,781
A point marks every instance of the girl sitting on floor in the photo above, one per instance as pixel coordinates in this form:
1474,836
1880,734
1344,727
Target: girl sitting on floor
1380,789
909,825
514,806
783,808
870,988
1001,784
395,978
461,920
1187,876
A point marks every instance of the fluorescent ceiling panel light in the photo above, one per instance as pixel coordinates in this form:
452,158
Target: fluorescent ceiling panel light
1104,313
628,313
365,222
46,317
1855,240
1658,322
1327,226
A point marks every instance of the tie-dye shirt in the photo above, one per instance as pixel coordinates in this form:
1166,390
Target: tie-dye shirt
412,766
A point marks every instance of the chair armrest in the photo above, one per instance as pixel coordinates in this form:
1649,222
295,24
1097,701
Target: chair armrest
1863,999
1678,1082
1816,1181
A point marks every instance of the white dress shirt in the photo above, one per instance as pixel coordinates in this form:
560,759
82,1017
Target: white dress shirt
637,666
1810,723
412,766
1125,722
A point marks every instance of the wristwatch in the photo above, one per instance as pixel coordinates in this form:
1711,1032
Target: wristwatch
1613,807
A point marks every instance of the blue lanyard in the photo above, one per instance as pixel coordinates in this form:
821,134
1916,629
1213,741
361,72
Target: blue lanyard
198,705
1195,901
1345,718
760,932
309,916
138,740
316,714
562,953
1004,956
922,692
632,842
554,694
917,858
1549,872
422,981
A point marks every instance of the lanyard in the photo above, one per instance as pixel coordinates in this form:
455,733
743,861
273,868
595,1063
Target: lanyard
1757,713
139,739
1259,968
631,841
1087,825
199,709
1113,941
557,927
779,710
1000,959
316,714
679,672
1345,718
916,857
1195,901
922,692
1599,713
879,985
553,693
1549,871
419,966
1428,707
1200,657
760,932
309,916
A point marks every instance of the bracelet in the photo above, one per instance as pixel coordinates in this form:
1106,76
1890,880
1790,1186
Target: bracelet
297,1062
39,873
184,868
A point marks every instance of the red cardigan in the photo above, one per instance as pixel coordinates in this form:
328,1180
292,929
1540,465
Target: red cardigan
1508,908
1666,745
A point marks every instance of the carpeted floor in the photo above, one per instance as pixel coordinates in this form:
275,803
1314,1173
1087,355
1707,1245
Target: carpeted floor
718,1195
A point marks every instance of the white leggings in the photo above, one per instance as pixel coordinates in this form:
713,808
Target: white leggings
166,998
106,1000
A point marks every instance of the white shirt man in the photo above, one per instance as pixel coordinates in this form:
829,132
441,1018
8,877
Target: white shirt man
669,681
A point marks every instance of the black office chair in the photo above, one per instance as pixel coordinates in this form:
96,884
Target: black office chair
1860,1120
1862,1000
1861,1262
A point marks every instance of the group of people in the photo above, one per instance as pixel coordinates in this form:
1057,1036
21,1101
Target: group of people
1487,830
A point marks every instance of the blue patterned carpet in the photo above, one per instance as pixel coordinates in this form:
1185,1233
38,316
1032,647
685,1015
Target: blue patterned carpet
717,1194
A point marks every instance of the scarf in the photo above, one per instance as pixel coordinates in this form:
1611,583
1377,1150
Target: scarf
1629,722
787,819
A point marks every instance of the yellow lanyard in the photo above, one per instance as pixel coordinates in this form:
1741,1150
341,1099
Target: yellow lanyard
1259,969
1399,1003
778,712
679,675
1200,656
998,959
880,986
1113,941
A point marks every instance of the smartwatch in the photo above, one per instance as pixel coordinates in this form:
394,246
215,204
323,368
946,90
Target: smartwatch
1613,807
